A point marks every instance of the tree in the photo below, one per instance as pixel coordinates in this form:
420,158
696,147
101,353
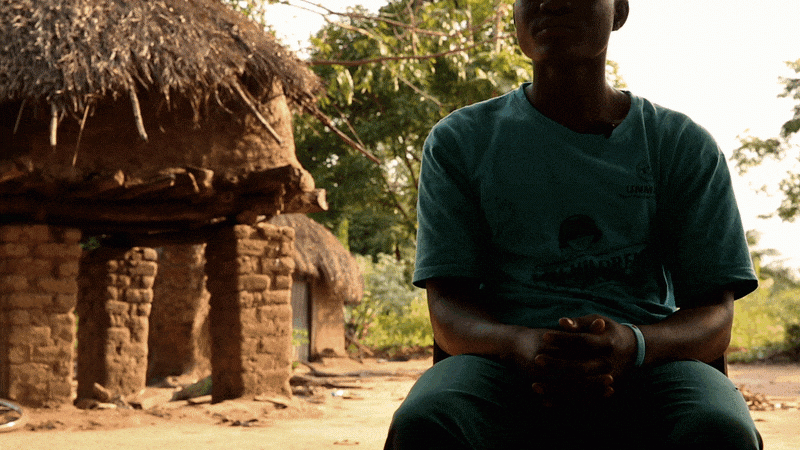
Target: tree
768,321
754,151
255,9
390,78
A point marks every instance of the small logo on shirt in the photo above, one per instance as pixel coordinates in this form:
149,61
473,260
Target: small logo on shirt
639,189
644,171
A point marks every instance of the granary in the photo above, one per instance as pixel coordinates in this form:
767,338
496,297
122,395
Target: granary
141,124
326,277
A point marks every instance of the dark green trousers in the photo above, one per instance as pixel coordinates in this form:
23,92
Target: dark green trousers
470,402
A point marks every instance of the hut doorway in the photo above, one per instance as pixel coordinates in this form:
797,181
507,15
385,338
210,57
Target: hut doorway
301,319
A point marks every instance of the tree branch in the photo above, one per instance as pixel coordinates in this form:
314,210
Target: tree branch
421,92
360,62
330,125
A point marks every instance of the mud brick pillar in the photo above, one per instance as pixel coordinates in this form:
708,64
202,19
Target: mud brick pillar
180,303
116,291
250,280
38,291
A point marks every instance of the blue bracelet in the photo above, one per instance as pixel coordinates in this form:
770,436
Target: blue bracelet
639,344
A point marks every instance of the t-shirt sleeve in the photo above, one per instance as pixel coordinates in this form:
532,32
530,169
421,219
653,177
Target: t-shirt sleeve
705,247
448,212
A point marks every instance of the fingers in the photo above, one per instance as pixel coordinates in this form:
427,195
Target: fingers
597,326
574,345
567,393
587,324
568,324
549,368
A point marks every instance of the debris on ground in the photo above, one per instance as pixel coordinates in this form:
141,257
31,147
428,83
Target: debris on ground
102,398
199,389
760,402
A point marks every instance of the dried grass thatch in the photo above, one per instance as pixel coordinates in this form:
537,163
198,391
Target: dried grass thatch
73,53
319,255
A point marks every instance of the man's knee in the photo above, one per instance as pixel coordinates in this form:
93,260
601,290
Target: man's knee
696,406
422,422
462,402
712,429
424,407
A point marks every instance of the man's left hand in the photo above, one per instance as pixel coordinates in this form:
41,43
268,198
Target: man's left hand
581,361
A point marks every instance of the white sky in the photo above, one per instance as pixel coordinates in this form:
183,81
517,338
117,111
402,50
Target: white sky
716,60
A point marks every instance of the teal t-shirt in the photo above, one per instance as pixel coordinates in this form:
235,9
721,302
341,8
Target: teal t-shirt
556,223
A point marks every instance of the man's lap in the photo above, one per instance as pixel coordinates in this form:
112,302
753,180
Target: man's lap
472,402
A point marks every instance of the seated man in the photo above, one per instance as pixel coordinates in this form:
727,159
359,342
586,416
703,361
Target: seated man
581,248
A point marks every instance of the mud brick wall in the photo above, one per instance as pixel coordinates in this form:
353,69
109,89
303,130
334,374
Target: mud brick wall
250,279
116,292
180,303
38,292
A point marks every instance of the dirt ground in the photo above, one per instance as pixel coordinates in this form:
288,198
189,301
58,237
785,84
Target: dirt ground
352,409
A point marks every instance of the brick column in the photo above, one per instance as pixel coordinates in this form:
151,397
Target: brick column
116,291
250,279
38,291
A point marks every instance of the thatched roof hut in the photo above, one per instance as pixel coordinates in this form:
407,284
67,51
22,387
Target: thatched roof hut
70,54
320,256
147,115
326,277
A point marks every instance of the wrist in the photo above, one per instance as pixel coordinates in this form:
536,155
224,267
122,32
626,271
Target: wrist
641,349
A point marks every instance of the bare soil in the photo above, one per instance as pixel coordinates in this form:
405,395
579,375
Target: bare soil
347,404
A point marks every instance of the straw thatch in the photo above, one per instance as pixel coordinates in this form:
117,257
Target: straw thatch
209,83
72,53
320,256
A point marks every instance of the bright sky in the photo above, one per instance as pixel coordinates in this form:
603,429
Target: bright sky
717,61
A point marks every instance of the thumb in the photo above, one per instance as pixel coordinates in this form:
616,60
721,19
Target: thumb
568,324
597,326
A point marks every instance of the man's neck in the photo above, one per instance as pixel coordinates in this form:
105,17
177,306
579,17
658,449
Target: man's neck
578,97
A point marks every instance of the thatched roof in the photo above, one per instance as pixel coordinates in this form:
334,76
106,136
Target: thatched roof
319,255
71,53
69,58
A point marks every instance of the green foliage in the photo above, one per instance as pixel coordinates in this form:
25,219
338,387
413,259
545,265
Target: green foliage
765,321
391,77
254,9
411,328
90,243
299,337
754,151
757,325
392,314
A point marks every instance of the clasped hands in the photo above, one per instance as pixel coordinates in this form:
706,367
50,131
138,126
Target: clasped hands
581,361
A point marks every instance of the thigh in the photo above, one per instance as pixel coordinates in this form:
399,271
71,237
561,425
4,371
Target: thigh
689,404
464,401
470,402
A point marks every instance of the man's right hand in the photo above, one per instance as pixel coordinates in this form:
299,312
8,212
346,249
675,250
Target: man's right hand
462,325
581,361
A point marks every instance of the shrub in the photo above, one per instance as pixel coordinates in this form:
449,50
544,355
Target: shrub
765,321
392,315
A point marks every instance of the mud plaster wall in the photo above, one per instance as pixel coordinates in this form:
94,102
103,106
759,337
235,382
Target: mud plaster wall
327,323
227,142
116,292
180,307
38,292
250,278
